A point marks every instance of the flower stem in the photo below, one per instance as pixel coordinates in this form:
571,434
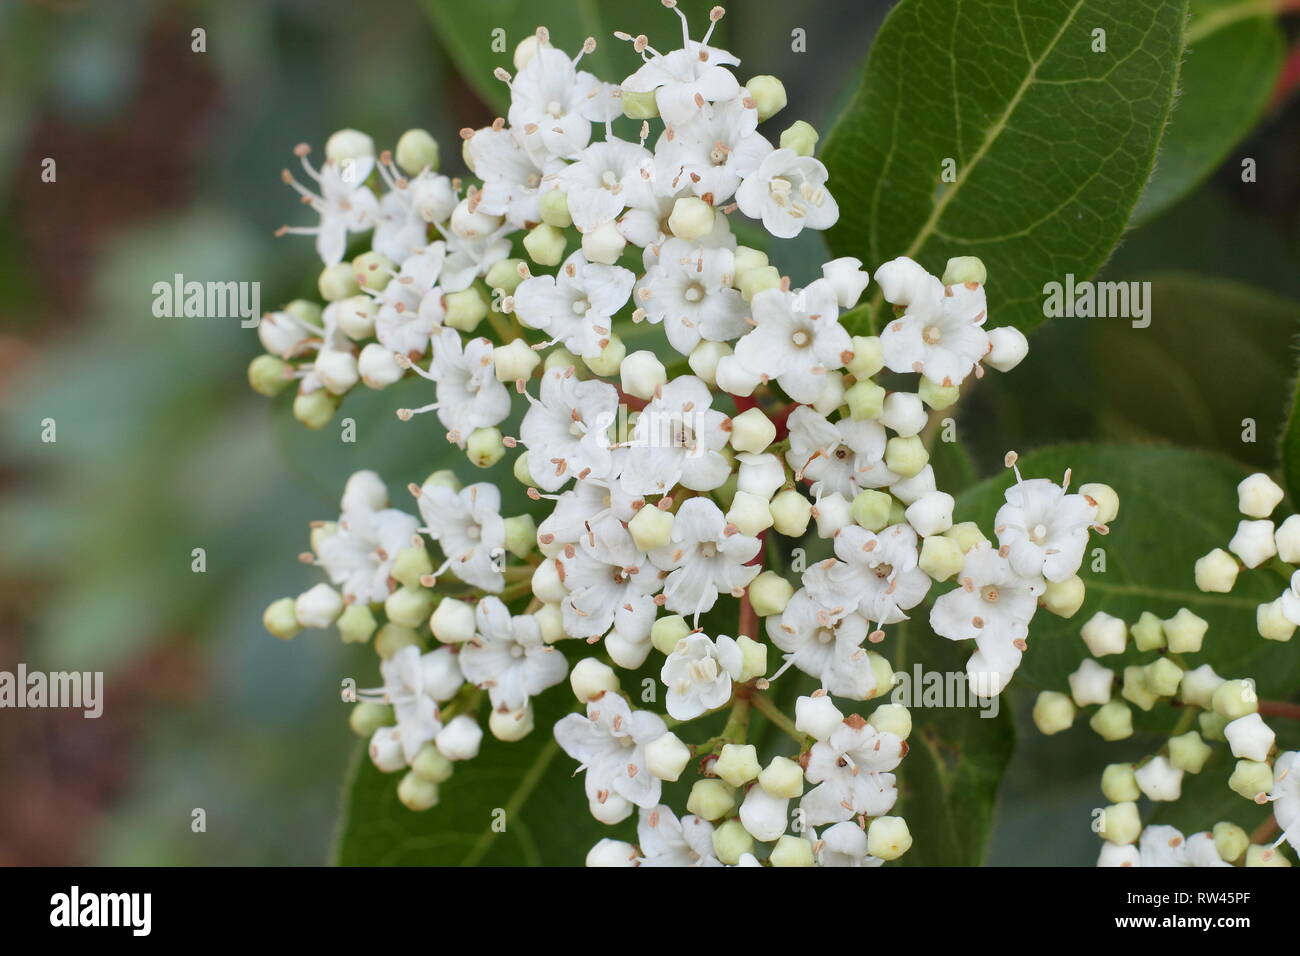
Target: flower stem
1279,708
764,705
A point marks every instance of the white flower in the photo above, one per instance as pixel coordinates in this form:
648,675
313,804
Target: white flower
710,152
414,684
993,605
876,574
842,458
707,556
668,841
468,258
1291,600
468,526
845,844
645,224
796,339
825,643
512,176
788,192
575,306
1044,529
848,278
607,178
469,395
689,290
1285,796
1166,846
508,656
566,429
345,204
677,439
698,675
610,583
585,504
553,104
850,769
610,745
358,554
941,333
411,305
685,79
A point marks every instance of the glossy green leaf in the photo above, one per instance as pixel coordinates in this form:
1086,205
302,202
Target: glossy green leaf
1048,144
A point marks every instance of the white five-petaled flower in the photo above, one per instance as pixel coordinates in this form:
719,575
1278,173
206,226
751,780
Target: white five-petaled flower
607,178
585,504
876,574
358,553
687,79
575,306
825,643
667,841
710,152
688,289
1164,845
993,605
345,204
512,176
698,675
411,304
566,429
610,583
842,457
468,526
788,192
677,439
553,104
844,844
469,395
610,744
1044,529
797,338
851,770
941,332
414,684
509,657
707,556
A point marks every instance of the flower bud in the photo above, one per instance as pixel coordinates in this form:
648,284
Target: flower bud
651,528
378,367
1120,823
1211,725
591,677
1159,780
391,638
1053,712
937,396
1118,783
737,764
1235,698
504,275
1148,633
522,475
268,375
704,359
611,853
941,558
430,764
759,475
908,490
752,431
1136,690
768,94
338,282
868,357
612,810
1251,779
604,244
511,725
1104,634
847,278
546,584
749,513
416,793
892,719
409,606
1253,543
731,841
386,750
866,400
627,652
831,397
606,363
281,618
763,816
1272,623
831,513
348,144
904,413
555,210
1113,721
871,508
642,374
711,799
545,245
550,619
452,621
963,269
416,151
1188,752
756,280
1230,840
514,361
460,739
1009,348
469,221
666,757
1116,856
318,607
1250,737
368,716
485,447
1258,495
769,593
465,309
1198,685
357,624
888,838
931,513
747,258
753,658
1258,855
1287,540
336,369
816,716
639,106
1064,598
691,218
905,456
373,270
791,851
800,137
782,778
967,534
791,512
1106,498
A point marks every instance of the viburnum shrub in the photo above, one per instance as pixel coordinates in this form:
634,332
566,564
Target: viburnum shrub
730,483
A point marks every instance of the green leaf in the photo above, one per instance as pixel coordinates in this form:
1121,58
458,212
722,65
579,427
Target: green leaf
1234,53
948,783
1175,506
1052,143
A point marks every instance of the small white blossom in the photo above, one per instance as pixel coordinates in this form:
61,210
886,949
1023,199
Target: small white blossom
707,556
689,290
825,643
468,526
677,439
941,334
566,429
698,675
575,306
851,770
796,339
1044,529
788,192
508,656
610,743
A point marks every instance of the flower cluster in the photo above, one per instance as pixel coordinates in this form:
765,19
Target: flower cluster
1214,711
677,478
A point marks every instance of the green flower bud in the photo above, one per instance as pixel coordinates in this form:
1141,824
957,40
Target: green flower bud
800,137
747,258
769,593
1235,698
1185,632
409,607
417,151
1120,823
373,270
555,209
938,397
737,764
610,358
1251,778
1053,712
1106,498
639,106
868,357
905,457
1162,677
892,719
1148,633
757,280
1230,840
1211,725
691,218
504,275
752,431
1113,721
1064,598
1119,783
666,757
545,245
391,638
883,671
591,677
1188,752
967,534
368,716
782,778
1216,571
962,269
431,765
416,793
315,409
791,512
711,799
485,447
667,631
791,851
521,535
941,557
550,619
731,841
888,838
521,472
356,624
269,375
337,282
753,661
280,619
866,400
305,310
651,528
1272,623
410,565
1136,690
466,309
1258,855
750,513
768,94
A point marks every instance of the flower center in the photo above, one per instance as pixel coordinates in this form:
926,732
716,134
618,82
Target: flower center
708,550
1039,534
581,306
555,109
989,593
516,650
694,292
824,635
932,335
718,155
779,189
608,180
883,570
704,671
800,339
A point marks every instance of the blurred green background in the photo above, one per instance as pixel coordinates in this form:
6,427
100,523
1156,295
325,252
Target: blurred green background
168,162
